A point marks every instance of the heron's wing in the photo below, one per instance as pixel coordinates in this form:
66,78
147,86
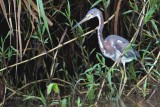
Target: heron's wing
121,46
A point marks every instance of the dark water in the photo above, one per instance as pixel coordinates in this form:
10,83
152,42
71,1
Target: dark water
126,102
131,102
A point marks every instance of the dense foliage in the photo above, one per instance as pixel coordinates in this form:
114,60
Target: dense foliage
42,59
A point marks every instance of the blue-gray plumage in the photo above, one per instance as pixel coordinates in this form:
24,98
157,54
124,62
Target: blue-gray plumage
113,45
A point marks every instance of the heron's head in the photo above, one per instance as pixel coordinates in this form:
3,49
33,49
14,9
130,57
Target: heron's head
91,14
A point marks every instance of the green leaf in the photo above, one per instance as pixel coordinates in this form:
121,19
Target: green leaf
79,104
43,100
91,94
90,78
154,25
68,9
64,103
106,4
52,86
109,79
96,3
35,37
129,11
46,40
31,97
149,15
145,87
43,15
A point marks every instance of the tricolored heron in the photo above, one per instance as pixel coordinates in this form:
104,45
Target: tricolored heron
113,45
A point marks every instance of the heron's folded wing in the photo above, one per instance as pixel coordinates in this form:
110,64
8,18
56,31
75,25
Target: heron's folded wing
122,46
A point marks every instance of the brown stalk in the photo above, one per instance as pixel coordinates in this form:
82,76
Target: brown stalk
15,18
116,17
4,11
19,30
30,10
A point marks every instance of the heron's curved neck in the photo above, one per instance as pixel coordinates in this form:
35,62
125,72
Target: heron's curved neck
100,29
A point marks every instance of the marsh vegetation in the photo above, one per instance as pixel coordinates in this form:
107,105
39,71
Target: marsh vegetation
43,61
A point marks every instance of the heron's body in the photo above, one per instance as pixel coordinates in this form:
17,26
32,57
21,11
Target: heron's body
113,45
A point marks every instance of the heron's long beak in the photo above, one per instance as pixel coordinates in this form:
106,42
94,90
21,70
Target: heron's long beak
83,20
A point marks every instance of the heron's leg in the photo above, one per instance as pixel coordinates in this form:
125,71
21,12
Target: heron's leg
124,77
123,80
